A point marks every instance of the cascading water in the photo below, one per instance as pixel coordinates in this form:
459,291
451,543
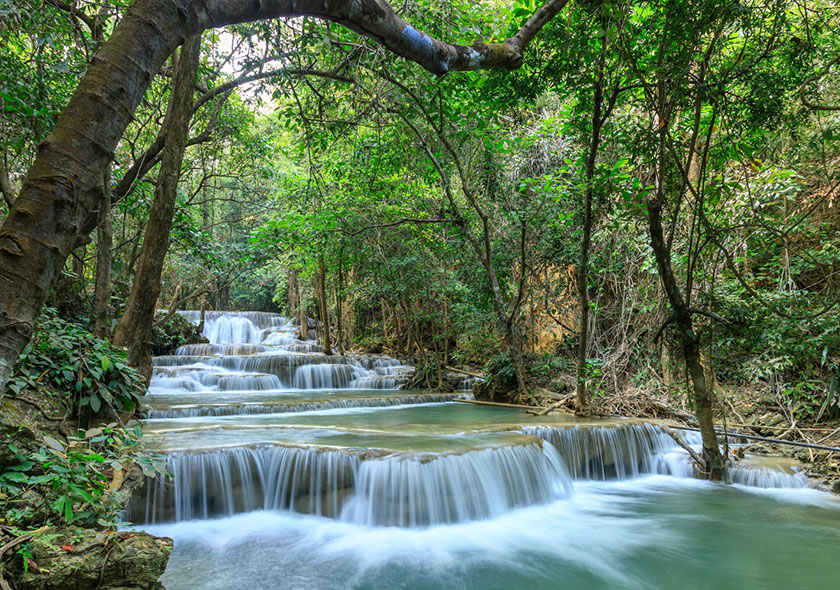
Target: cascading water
258,422
456,488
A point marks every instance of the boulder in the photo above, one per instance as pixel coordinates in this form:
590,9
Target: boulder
84,559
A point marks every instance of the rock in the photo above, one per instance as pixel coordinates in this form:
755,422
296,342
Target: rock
84,559
24,422
770,419
561,383
835,487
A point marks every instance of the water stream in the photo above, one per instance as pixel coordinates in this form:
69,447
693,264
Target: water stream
294,469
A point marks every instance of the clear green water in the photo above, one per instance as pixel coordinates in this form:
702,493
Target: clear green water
427,427
187,398
656,532
212,438
451,417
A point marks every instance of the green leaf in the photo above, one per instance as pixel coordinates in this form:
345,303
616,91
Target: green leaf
15,477
23,466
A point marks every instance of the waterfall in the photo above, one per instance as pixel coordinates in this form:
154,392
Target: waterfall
456,488
416,466
299,371
609,452
323,376
414,490
222,483
292,406
219,349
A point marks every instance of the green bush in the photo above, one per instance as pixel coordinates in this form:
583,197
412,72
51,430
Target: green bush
474,349
370,343
172,333
75,482
798,354
63,357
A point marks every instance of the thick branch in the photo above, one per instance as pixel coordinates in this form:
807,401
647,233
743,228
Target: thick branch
816,77
693,310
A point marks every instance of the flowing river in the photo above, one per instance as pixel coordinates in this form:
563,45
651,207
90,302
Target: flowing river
296,470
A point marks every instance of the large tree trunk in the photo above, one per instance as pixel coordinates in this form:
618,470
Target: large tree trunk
134,329
339,303
516,355
64,184
322,301
104,242
507,323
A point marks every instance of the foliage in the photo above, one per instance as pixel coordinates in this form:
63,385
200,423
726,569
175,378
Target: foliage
75,482
68,360
175,331
388,178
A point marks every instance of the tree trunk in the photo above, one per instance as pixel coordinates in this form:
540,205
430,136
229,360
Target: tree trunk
104,242
303,333
322,297
518,363
291,292
79,262
581,394
134,329
200,328
715,468
339,303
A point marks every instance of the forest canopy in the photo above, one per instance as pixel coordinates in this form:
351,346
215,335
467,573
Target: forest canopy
635,195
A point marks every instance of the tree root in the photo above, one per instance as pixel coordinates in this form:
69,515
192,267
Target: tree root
43,410
14,542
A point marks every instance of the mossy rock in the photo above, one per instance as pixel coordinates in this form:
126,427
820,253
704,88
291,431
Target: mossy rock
84,559
25,420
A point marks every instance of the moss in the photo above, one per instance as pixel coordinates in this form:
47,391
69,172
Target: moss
81,559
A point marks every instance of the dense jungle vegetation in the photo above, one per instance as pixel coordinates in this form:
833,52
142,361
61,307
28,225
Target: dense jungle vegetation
648,206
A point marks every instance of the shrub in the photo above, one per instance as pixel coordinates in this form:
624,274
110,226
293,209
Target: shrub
63,357
174,332
77,482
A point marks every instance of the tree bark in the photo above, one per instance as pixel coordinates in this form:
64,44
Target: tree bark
303,333
134,329
64,184
339,302
79,262
104,242
6,183
714,464
581,393
322,300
